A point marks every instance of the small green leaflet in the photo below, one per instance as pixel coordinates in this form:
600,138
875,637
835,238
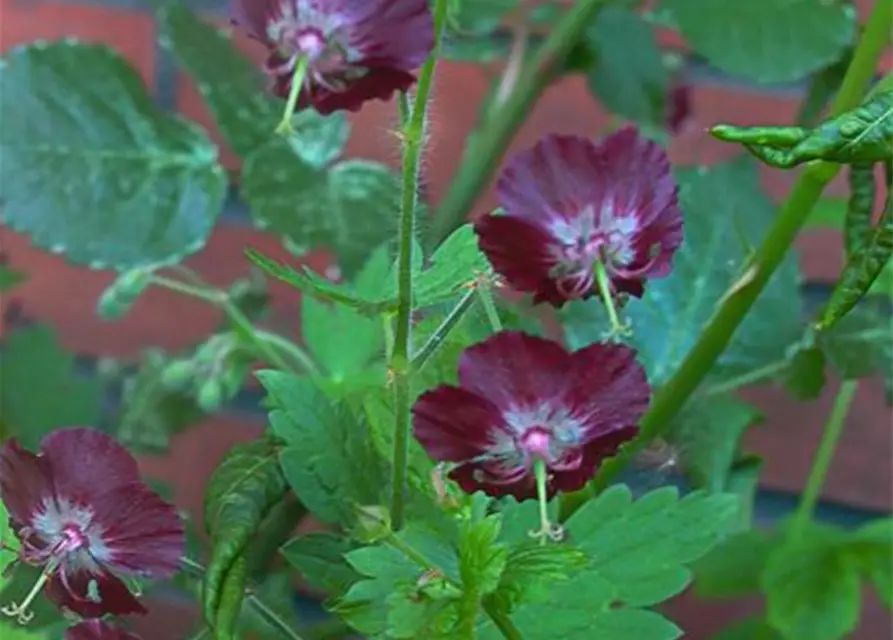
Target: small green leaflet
244,487
326,458
726,213
629,76
232,86
768,41
93,170
638,551
320,558
452,266
33,369
350,207
734,567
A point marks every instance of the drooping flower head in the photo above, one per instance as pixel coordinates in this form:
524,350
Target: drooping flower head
82,513
354,50
525,402
97,630
582,217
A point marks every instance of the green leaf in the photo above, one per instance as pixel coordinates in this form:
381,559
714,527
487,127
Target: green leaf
344,342
638,551
10,278
150,412
860,207
805,375
244,111
811,591
629,77
726,213
823,87
278,594
862,135
475,17
397,583
33,369
870,550
859,345
735,566
748,629
532,569
349,208
708,433
453,265
93,169
326,460
765,40
481,558
320,558
229,599
243,488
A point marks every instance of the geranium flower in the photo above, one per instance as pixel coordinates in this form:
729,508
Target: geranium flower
530,418
97,630
582,217
82,513
347,51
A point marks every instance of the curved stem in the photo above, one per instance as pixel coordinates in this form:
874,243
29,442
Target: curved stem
486,146
670,399
287,346
413,139
486,296
823,456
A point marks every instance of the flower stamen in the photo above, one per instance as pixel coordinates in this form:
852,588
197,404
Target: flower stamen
21,612
619,328
297,82
547,530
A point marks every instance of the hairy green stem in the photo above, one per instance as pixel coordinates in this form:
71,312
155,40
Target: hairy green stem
489,143
435,340
823,456
670,399
413,139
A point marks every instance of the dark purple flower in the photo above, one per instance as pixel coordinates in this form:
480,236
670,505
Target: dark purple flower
82,513
678,107
356,50
523,399
574,207
97,630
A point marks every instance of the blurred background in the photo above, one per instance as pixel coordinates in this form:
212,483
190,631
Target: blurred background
64,297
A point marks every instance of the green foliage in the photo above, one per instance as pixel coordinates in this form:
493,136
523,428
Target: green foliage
320,558
472,28
637,554
92,169
861,135
733,568
326,458
33,369
452,266
628,77
244,487
726,213
349,207
860,207
707,433
822,87
10,278
765,40
118,298
344,343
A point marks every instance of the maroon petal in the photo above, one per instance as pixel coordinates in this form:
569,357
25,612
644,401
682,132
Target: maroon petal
379,83
454,424
143,533
86,462
24,482
97,630
554,178
513,369
520,251
594,453
114,596
608,389
389,33
473,477
253,15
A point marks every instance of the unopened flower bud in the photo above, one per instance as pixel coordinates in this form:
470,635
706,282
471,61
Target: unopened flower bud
210,395
177,375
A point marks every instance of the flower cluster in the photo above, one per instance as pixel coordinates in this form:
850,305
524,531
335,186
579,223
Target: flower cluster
341,52
83,515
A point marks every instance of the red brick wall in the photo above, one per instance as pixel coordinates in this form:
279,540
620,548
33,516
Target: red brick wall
65,296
